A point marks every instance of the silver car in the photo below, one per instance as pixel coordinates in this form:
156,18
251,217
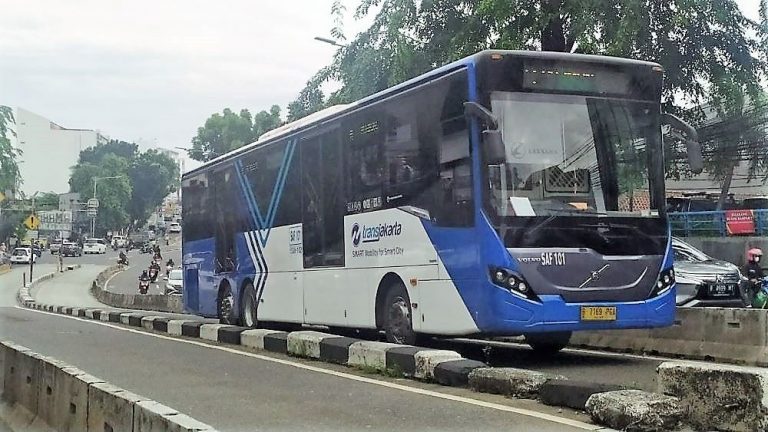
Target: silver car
704,281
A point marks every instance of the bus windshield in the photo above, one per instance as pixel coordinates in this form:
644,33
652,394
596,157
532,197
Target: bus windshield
570,155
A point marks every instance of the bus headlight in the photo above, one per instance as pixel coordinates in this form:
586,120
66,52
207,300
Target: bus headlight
513,282
665,282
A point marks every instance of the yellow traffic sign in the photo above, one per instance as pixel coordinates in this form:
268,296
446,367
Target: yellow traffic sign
32,222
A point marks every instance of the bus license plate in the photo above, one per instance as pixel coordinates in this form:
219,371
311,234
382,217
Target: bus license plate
598,313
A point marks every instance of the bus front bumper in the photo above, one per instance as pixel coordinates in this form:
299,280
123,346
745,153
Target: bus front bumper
553,314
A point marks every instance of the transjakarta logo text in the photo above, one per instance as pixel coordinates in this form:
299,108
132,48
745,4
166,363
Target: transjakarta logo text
370,234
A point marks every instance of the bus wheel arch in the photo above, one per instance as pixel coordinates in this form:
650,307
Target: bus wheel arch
225,303
393,310
247,304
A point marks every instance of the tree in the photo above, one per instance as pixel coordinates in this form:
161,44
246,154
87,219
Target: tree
47,201
10,178
113,194
228,131
116,147
153,175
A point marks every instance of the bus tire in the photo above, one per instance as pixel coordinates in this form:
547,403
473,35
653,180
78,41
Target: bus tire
398,318
225,304
548,343
248,310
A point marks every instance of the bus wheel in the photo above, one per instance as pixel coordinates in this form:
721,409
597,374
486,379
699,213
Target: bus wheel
225,305
398,322
548,343
249,307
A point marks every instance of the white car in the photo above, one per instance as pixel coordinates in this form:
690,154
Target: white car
95,246
22,255
119,241
175,282
174,227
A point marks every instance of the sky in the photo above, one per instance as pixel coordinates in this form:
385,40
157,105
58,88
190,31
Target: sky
152,71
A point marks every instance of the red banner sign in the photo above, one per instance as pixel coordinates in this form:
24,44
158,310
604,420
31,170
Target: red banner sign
740,222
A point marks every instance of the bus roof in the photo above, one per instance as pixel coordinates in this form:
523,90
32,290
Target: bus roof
334,111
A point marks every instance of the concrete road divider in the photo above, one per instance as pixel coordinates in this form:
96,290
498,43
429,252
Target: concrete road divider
336,349
370,355
455,373
721,397
306,343
635,410
255,338
572,393
427,360
509,381
148,302
46,394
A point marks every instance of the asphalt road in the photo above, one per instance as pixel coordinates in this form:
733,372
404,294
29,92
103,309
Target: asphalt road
127,282
234,390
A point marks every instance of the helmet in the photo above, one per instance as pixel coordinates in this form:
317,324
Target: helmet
754,253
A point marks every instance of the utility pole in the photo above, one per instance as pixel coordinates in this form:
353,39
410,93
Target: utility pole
32,245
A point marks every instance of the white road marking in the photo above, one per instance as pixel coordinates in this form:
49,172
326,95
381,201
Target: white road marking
461,399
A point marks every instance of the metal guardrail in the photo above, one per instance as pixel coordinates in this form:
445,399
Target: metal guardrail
711,223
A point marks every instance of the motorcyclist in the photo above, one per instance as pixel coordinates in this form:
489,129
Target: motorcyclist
753,272
169,266
144,276
123,258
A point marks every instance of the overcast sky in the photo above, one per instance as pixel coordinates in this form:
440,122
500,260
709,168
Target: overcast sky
156,69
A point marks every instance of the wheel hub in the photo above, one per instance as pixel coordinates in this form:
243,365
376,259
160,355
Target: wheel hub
399,320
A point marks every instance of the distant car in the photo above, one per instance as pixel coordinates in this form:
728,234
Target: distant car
95,246
704,281
174,227
55,246
175,282
119,241
22,255
70,250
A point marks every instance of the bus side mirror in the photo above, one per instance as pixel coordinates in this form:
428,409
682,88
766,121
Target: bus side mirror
495,150
692,146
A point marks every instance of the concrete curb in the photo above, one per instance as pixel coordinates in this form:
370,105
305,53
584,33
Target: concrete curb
149,302
51,394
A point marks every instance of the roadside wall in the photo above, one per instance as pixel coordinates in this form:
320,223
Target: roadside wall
152,302
714,334
731,249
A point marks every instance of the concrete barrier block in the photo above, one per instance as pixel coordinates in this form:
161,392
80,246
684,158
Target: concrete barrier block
111,408
509,381
368,354
276,342
174,327
104,316
70,399
13,377
211,331
306,343
191,328
151,416
336,349
455,373
254,338
161,324
716,396
29,368
125,317
571,393
403,359
148,322
635,410
231,334
134,319
185,423
427,360
74,311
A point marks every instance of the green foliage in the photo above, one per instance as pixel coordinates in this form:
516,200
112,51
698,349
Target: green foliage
9,169
227,131
146,179
47,201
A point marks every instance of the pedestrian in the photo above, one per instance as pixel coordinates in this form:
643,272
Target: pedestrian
61,263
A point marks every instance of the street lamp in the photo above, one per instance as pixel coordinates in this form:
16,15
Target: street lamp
93,219
330,41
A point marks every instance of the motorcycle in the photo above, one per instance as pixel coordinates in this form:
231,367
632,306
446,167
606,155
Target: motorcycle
760,300
121,261
153,274
143,286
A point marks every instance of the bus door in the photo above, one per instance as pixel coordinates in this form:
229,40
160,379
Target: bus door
323,228
225,258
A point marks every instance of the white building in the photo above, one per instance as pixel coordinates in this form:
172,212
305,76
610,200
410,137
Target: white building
49,151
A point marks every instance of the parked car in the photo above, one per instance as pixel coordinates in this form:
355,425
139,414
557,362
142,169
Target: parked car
95,246
22,255
704,281
174,227
175,282
70,250
756,203
55,246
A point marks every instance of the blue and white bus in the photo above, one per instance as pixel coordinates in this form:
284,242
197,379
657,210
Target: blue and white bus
508,193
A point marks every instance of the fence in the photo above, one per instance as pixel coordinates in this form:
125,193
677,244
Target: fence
712,223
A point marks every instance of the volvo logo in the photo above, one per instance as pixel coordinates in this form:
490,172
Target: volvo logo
594,275
356,235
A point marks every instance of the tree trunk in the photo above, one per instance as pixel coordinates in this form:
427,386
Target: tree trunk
552,35
725,187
